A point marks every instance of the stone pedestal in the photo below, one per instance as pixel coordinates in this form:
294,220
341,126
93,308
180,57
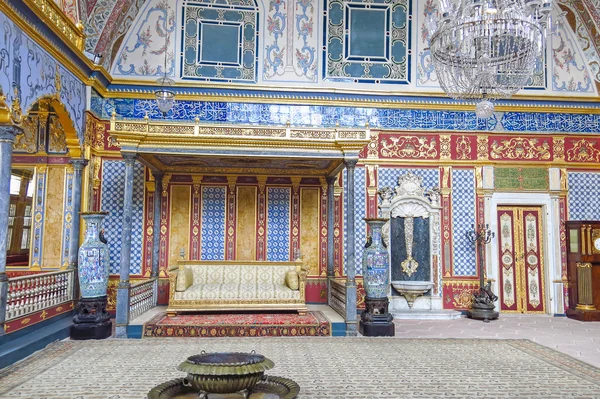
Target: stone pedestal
91,320
483,313
375,320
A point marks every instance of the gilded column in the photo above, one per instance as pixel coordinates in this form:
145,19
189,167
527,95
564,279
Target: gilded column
163,252
196,226
446,214
351,254
78,166
261,243
338,230
122,317
231,221
323,223
295,247
7,138
330,225
156,223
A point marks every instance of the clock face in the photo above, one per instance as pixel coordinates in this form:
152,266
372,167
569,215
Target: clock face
597,244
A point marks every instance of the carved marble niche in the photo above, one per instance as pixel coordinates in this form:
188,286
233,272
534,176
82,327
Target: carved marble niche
413,238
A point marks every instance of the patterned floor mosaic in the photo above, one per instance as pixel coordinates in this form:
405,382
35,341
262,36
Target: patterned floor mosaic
323,367
239,325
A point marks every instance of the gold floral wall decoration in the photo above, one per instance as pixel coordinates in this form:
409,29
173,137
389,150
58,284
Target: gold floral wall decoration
583,151
558,148
26,141
409,147
520,148
445,149
94,133
463,148
57,139
482,148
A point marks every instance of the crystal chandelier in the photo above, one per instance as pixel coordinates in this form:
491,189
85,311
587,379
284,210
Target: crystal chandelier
485,50
163,96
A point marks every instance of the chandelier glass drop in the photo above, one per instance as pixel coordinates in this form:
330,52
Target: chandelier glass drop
163,96
484,50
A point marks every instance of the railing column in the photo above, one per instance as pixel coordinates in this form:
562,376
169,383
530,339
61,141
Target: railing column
7,139
351,254
156,223
78,165
122,317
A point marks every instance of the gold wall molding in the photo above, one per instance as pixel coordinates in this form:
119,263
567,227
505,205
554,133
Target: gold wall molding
45,43
49,12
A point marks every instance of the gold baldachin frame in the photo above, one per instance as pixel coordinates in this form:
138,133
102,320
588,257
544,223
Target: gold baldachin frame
184,139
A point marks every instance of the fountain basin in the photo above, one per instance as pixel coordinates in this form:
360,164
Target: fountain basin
411,290
227,372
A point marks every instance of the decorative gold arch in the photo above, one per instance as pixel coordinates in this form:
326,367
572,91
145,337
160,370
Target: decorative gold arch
73,143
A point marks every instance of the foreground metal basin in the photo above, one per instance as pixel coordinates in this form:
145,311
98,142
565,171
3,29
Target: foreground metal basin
226,372
267,387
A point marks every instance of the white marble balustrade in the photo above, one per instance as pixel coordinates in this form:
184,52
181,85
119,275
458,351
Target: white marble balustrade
143,296
29,294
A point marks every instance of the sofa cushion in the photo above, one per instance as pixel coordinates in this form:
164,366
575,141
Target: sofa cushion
233,291
240,274
184,280
291,279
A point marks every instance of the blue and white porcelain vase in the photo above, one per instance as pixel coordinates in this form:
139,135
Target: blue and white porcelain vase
376,263
93,258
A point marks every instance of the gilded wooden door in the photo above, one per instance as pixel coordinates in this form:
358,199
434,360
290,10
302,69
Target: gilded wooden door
521,259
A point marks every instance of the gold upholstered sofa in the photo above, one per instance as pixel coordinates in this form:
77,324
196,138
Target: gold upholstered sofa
236,285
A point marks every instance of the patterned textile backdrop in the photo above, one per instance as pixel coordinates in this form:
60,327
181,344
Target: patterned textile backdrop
360,212
213,223
584,196
113,187
278,224
463,217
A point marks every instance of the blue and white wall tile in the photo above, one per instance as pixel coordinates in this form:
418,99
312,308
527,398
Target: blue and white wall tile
278,223
463,218
213,223
360,212
584,195
113,189
388,176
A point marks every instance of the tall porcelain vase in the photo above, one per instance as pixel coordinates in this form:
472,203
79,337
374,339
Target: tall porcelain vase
93,258
376,263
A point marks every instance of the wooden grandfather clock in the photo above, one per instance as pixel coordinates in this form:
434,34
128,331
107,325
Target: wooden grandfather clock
583,270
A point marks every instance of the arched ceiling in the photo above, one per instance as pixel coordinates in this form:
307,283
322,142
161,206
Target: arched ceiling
109,22
106,22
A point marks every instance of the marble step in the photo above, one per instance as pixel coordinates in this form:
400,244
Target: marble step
421,314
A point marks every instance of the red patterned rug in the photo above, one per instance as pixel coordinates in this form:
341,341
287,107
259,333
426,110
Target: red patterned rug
311,324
